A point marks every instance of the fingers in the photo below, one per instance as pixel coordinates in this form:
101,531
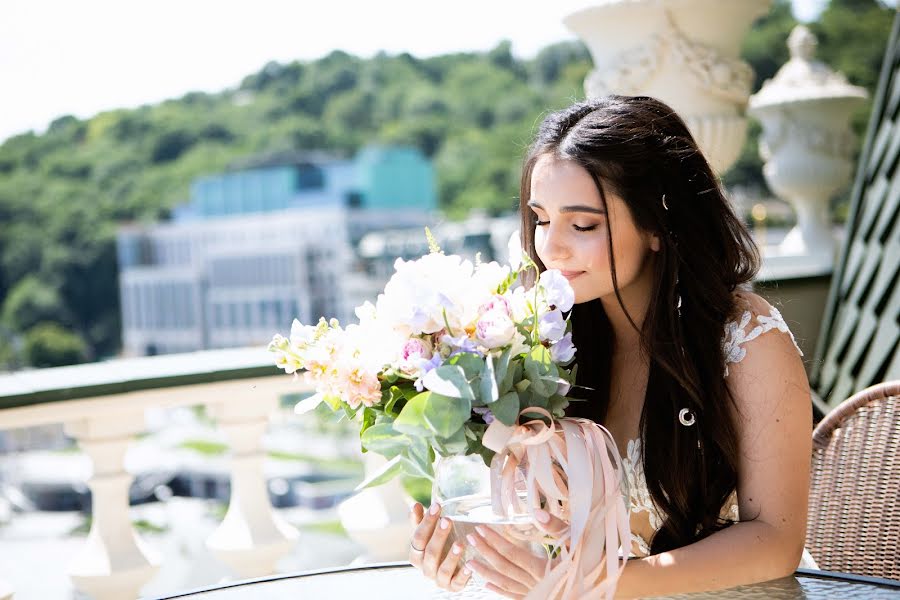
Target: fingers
497,581
422,535
447,569
460,580
504,556
416,514
552,526
501,592
434,551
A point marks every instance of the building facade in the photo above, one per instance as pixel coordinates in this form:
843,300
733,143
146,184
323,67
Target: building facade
263,244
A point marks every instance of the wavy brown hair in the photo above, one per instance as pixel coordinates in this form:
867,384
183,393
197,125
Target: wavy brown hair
641,150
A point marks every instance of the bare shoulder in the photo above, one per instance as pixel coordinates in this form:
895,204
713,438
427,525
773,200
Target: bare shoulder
750,301
770,367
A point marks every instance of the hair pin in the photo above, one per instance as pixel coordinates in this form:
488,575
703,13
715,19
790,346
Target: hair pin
665,206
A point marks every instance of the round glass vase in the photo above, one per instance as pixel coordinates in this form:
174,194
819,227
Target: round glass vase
462,487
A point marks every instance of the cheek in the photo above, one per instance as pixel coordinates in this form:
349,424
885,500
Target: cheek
595,251
539,244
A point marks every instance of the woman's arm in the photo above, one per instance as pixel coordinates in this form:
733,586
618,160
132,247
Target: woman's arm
775,444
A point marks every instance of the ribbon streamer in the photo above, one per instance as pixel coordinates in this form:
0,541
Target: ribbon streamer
572,469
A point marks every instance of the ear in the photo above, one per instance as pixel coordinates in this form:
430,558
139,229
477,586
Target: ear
654,243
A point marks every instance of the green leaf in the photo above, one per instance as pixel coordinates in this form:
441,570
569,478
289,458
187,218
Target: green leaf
488,384
419,459
412,418
368,419
558,405
384,440
450,381
395,394
506,409
501,367
390,470
445,415
308,404
513,375
471,364
455,444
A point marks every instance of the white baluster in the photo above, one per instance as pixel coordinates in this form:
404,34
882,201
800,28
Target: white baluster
114,562
252,537
377,518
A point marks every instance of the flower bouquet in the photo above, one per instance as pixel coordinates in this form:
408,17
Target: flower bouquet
455,358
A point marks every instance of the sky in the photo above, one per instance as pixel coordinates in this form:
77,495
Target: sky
82,57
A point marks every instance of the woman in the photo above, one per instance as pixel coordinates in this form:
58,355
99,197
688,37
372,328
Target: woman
700,382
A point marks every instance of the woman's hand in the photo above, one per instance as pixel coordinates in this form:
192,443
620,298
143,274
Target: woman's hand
428,552
511,569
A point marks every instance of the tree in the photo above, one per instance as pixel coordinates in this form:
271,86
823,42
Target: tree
30,302
50,345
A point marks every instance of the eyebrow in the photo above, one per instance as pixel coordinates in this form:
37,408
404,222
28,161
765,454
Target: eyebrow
572,209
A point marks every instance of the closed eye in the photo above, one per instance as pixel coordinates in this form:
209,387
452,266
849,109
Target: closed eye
540,223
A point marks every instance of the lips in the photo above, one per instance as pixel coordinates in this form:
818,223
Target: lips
570,275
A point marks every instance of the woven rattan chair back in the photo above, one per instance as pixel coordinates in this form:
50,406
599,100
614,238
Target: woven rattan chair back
854,497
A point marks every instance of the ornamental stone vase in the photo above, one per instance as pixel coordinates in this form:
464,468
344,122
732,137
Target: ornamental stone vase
807,146
683,52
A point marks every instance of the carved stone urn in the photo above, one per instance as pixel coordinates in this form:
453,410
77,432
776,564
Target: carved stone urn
683,52
807,144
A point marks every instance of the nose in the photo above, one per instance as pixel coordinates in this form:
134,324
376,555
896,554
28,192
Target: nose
551,244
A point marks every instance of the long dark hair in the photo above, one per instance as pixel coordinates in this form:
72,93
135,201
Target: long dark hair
641,150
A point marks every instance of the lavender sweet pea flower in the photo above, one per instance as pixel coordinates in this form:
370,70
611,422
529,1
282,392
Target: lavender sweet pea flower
485,413
563,351
424,367
552,326
459,344
559,293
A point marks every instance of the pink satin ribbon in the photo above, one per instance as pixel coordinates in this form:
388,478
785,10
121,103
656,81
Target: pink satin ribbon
573,470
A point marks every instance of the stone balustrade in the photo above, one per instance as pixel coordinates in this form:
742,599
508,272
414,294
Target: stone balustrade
102,407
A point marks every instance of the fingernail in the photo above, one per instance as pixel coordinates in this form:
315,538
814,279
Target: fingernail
435,508
471,539
456,549
466,571
480,530
542,516
445,524
469,567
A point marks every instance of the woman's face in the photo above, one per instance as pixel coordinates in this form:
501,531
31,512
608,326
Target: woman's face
571,233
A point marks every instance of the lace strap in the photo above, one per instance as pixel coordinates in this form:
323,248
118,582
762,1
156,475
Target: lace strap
736,335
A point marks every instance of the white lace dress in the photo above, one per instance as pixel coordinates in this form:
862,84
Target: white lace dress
646,519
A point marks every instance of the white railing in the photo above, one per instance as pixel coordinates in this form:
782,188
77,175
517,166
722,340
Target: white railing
102,407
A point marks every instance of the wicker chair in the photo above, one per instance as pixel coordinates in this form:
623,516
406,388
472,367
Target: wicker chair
854,497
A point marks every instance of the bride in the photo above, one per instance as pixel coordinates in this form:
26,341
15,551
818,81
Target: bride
698,379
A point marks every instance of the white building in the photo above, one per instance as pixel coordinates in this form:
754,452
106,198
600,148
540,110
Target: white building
237,266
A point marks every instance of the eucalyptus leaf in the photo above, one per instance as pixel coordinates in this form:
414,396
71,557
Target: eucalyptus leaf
489,391
445,415
450,381
387,472
453,445
384,440
501,367
506,409
471,364
412,418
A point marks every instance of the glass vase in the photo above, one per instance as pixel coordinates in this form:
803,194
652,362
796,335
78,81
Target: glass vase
462,486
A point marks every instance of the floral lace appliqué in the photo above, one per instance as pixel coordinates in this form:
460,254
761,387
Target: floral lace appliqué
735,336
